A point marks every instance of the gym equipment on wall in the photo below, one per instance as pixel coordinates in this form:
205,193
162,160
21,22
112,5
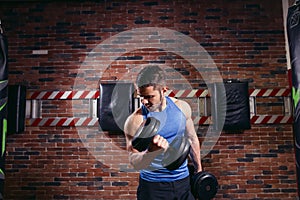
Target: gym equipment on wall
115,105
231,105
16,109
3,105
293,30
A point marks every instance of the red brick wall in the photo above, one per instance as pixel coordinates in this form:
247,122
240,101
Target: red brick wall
245,39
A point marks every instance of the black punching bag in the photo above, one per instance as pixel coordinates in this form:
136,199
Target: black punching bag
115,105
293,30
230,110
16,107
3,105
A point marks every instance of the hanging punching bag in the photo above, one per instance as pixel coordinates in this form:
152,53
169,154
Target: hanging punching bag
293,31
3,105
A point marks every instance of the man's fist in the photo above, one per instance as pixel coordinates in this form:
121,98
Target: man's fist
158,143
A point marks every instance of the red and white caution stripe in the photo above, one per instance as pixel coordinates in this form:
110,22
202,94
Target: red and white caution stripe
44,95
62,121
276,92
271,119
203,120
193,93
187,93
257,119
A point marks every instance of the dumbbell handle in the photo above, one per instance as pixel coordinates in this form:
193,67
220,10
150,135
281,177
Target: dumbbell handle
145,134
141,144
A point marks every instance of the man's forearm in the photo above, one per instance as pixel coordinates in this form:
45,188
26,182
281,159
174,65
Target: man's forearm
141,160
196,155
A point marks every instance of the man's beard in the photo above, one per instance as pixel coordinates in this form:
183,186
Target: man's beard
157,106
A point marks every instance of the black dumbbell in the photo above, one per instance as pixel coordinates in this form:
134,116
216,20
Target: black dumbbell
145,134
204,185
177,153
178,149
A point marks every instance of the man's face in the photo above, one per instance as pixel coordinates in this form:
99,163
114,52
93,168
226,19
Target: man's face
151,98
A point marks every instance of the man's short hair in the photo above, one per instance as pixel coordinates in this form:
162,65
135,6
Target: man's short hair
151,76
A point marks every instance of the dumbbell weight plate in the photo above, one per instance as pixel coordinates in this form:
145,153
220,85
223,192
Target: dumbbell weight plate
145,134
204,185
177,153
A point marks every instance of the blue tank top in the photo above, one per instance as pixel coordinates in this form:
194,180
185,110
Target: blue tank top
172,123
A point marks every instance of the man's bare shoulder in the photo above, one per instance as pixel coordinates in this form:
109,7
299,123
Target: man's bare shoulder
183,106
133,122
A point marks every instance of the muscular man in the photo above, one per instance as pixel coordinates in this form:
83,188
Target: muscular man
157,182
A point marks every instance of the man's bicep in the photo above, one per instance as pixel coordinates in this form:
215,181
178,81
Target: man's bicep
128,131
132,124
185,108
190,129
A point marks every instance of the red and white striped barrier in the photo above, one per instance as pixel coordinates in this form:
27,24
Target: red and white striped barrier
276,92
194,93
51,95
62,121
271,119
60,95
204,120
187,93
256,119
73,121
82,94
